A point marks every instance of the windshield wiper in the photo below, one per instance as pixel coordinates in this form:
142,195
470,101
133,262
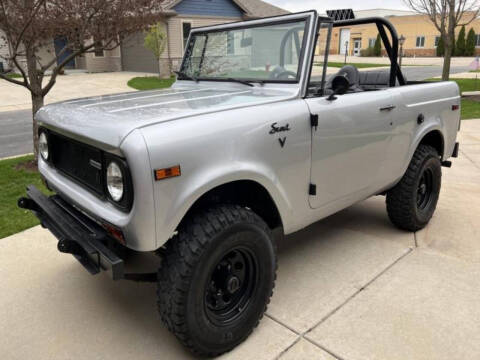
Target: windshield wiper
185,76
244,82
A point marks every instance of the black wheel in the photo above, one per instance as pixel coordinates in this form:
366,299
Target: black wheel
216,278
412,202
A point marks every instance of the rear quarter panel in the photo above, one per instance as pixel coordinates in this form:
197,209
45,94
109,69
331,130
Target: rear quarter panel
434,101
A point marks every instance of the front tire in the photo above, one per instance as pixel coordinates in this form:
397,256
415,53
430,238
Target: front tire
216,278
412,202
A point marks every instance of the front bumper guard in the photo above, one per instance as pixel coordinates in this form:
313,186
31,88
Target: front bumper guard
77,234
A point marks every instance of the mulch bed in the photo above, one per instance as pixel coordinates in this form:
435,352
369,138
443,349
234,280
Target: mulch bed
30,166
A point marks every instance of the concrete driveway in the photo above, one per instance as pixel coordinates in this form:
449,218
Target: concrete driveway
349,287
15,97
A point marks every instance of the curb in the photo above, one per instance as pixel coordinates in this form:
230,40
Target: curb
15,156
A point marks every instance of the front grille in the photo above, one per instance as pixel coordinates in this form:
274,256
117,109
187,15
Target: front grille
79,161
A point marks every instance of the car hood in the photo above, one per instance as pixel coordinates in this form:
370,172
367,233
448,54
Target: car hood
106,120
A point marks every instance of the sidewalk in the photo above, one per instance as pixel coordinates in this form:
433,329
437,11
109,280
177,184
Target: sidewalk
420,61
15,97
349,287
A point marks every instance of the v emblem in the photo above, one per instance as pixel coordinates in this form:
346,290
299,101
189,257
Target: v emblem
282,141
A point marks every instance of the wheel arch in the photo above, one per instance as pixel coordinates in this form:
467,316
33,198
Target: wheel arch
247,193
435,139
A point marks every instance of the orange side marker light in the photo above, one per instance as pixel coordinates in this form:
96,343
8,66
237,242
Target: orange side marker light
173,171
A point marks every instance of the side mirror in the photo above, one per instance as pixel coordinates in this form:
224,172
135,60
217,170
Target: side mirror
340,86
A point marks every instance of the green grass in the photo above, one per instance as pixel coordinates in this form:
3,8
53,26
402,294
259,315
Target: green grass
14,76
150,83
13,183
465,84
358,66
470,109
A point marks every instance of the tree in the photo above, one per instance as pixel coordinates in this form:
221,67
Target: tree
378,46
441,48
461,43
85,25
471,41
156,40
447,15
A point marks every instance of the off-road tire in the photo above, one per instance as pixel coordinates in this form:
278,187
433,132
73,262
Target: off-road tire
402,207
187,262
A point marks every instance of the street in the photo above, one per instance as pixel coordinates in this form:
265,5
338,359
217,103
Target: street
16,133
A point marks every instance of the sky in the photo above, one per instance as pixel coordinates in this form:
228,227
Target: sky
323,5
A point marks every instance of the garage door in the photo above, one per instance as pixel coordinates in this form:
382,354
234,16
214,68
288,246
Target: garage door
135,57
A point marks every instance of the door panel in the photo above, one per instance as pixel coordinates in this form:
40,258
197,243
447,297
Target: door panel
349,146
344,38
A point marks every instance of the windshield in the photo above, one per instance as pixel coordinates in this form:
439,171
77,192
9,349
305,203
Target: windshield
267,53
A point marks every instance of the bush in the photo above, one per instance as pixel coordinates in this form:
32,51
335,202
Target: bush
378,46
470,46
369,52
461,44
441,47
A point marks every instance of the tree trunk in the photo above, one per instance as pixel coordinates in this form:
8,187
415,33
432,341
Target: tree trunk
35,79
447,60
37,103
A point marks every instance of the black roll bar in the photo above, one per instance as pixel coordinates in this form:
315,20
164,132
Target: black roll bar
390,48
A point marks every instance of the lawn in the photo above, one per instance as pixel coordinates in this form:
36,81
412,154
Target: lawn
358,66
465,84
13,182
150,83
14,76
470,109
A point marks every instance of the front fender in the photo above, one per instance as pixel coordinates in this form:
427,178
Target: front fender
196,185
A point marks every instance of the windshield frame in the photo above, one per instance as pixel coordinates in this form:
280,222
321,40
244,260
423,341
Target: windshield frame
308,17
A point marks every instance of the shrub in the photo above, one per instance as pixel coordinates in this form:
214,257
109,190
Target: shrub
441,47
461,44
470,46
369,52
378,46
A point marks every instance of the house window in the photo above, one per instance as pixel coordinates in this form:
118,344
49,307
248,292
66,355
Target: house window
420,41
98,49
437,40
371,42
477,40
230,43
186,27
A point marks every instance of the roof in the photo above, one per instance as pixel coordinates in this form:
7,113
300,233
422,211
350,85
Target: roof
251,8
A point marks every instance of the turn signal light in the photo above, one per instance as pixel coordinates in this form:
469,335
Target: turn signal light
167,173
455,107
115,233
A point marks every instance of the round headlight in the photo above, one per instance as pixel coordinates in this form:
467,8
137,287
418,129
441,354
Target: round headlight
43,146
115,181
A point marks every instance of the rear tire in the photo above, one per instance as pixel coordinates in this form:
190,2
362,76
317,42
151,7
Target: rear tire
412,202
216,278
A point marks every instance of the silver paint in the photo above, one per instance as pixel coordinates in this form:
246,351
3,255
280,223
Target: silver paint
219,132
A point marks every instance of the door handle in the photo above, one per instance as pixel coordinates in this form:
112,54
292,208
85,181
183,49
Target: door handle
388,108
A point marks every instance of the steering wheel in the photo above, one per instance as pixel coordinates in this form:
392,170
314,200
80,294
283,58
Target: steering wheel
284,75
280,73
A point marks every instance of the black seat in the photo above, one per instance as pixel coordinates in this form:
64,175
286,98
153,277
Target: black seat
352,74
374,80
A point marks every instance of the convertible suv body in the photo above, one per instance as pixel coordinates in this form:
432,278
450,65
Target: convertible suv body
254,136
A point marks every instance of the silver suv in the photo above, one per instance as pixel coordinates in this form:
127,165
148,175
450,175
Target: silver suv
254,136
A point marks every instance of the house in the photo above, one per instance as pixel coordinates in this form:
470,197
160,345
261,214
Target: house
421,35
179,17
